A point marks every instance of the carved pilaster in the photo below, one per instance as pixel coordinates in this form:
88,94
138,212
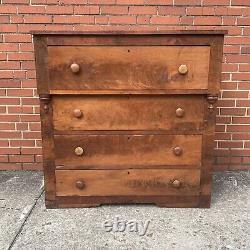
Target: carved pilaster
211,99
45,100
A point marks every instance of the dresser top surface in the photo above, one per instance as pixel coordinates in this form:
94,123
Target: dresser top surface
167,32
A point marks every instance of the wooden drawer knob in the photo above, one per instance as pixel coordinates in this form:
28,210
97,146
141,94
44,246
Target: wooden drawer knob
176,183
80,184
179,112
75,68
77,113
79,151
177,151
183,69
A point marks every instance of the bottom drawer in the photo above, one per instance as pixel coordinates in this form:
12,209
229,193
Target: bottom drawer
144,182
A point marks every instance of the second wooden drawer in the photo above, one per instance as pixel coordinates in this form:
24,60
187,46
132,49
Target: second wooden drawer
167,112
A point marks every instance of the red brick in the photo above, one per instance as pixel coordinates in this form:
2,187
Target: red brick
16,19
237,40
18,38
238,128
243,21
9,65
240,2
187,2
37,19
74,19
20,92
243,103
143,20
233,111
32,166
216,2
3,158
31,151
159,2
241,76
122,19
101,19
16,1
164,20
22,143
171,10
240,136
21,158
241,120
142,10
31,9
8,9
117,10
10,28
235,94
245,50
7,151
4,19
62,10
24,56
222,136
134,2
10,166
32,135
230,144
10,134
207,20
86,10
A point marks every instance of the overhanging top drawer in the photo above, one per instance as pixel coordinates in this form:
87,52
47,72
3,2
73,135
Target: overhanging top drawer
128,67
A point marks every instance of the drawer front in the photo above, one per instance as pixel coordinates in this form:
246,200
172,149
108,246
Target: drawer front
128,67
119,151
183,113
127,182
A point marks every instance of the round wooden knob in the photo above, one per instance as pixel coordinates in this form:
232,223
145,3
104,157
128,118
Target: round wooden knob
177,151
79,151
75,68
176,183
179,112
80,184
77,113
183,69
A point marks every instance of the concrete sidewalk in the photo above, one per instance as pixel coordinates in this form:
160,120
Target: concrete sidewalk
25,224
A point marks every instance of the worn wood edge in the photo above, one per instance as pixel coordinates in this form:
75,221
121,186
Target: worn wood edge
48,150
163,32
128,92
123,167
215,65
129,132
41,55
161,201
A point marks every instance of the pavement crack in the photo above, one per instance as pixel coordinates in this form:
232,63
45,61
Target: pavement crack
27,215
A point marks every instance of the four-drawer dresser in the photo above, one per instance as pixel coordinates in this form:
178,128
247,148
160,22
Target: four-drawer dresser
128,117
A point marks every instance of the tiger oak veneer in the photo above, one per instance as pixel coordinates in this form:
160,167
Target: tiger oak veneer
128,117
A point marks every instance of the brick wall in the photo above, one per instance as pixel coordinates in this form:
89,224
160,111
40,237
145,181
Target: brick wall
20,143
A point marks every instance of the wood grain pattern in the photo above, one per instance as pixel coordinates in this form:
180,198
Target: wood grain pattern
127,182
128,67
128,89
128,112
130,150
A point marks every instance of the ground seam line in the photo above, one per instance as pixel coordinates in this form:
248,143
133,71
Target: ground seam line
24,222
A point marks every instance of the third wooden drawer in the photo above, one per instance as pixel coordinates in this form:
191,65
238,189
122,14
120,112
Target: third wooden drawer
117,151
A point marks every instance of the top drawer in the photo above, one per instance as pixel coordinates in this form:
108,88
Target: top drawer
128,67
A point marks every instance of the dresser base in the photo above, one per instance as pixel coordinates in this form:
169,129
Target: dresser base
159,201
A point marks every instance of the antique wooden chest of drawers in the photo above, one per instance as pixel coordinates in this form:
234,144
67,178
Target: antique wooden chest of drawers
128,117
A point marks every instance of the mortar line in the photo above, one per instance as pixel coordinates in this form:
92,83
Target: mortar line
25,220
